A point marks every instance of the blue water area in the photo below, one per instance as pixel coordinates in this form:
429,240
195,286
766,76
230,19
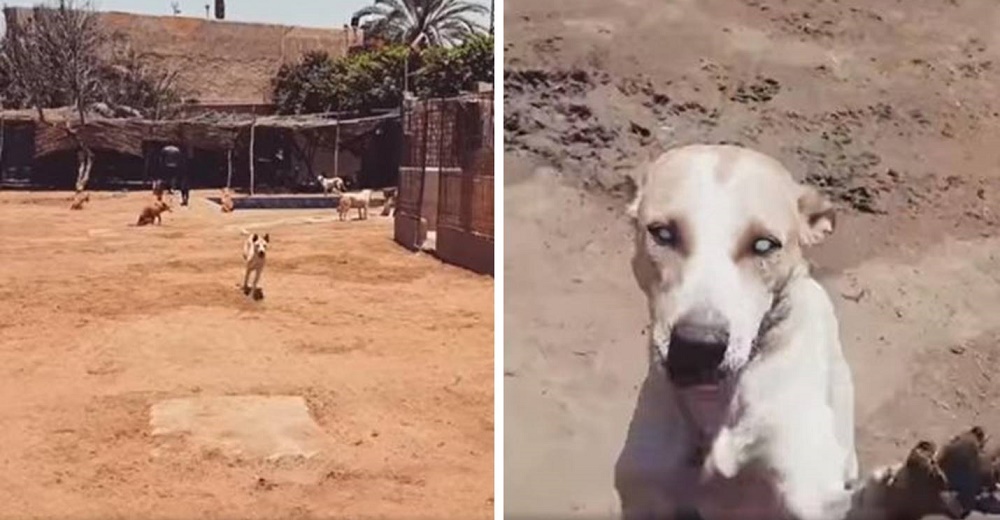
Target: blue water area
282,202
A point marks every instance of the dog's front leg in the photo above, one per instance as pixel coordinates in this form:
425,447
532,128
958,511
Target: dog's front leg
654,475
246,279
256,278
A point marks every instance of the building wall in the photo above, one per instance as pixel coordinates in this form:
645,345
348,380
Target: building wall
220,62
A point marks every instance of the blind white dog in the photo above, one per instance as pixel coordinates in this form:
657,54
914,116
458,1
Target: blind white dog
748,407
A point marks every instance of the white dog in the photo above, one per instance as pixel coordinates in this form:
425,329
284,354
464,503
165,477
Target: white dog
748,407
254,255
359,201
335,184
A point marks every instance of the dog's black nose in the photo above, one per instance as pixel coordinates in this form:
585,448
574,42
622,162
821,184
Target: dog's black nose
697,346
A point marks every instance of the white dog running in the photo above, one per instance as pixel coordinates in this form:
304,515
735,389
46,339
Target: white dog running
254,255
748,407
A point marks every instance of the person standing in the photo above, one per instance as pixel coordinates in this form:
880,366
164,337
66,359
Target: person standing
173,166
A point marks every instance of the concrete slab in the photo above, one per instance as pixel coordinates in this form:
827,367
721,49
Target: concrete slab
242,426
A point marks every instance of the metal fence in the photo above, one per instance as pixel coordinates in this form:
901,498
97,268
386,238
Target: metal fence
446,178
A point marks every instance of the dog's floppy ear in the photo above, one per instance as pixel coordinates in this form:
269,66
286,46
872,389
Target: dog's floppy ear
817,214
636,182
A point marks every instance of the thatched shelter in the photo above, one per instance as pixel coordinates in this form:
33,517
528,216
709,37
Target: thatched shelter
297,146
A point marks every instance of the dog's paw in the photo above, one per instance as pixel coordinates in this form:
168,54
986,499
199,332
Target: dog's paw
258,294
246,290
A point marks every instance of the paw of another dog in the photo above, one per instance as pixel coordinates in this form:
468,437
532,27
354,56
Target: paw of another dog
258,294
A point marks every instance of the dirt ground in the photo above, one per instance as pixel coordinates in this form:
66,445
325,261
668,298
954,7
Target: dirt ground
891,110
99,321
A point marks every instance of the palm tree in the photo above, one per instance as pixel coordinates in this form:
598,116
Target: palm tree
440,22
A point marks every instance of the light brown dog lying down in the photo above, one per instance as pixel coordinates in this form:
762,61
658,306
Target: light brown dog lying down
227,201
151,213
79,200
359,201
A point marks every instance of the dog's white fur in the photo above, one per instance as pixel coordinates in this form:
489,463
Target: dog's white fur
360,201
335,184
778,433
254,255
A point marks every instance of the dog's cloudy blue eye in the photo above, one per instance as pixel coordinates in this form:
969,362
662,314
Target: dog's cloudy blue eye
665,235
763,246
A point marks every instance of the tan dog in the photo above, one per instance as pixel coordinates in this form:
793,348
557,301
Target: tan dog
227,201
79,200
254,255
359,201
152,213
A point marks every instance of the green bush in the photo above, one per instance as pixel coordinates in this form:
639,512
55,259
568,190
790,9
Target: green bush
374,79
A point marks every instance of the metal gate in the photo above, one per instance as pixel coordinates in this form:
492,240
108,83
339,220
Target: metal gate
446,179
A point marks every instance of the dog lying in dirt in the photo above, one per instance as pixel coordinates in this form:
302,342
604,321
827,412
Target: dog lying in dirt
152,213
359,201
79,200
335,184
254,256
227,201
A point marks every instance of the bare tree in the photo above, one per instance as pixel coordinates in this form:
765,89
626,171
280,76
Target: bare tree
27,74
62,56
53,59
131,84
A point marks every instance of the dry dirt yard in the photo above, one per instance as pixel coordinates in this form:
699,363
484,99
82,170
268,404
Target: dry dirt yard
365,373
890,107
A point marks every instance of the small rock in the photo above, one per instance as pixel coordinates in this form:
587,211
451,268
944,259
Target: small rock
957,350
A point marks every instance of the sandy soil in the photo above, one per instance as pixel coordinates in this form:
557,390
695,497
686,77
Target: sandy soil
99,321
891,111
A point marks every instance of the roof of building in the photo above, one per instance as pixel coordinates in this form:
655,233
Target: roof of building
213,131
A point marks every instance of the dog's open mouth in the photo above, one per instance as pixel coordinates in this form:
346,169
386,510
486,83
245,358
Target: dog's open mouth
695,379
692,364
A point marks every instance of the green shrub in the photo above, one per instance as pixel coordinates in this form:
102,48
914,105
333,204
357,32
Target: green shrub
374,79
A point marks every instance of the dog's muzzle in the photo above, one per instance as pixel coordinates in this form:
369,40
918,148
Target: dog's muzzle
696,350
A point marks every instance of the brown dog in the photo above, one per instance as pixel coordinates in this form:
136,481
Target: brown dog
79,200
151,213
227,201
